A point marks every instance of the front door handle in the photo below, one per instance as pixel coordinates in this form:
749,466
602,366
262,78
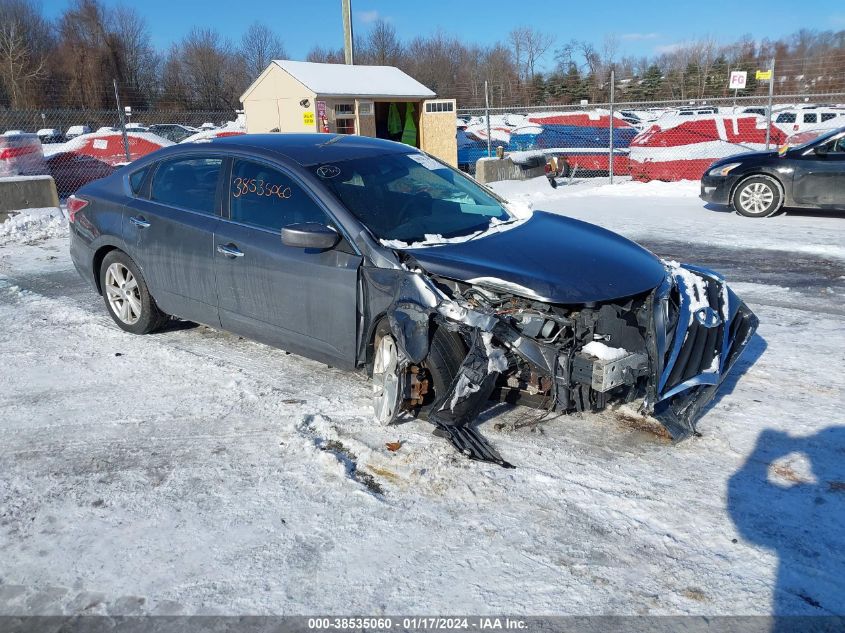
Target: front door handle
140,221
229,250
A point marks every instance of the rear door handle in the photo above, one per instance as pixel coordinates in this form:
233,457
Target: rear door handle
229,250
139,221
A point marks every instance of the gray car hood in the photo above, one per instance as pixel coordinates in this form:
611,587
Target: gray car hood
551,258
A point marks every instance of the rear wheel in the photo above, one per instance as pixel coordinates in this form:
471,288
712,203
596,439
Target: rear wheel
757,197
127,298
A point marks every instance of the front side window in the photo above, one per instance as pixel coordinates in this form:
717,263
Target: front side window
267,198
136,179
827,116
189,183
407,197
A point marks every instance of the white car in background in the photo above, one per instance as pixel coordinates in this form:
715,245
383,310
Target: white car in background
77,130
792,120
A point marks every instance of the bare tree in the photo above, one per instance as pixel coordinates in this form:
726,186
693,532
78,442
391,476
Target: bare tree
381,46
211,71
529,45
138,58
325,55
259,47
24,45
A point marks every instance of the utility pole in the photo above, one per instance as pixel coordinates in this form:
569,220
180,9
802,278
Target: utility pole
348,56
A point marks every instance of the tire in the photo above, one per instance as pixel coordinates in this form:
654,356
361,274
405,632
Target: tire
128,300
757,197
446,353
444,359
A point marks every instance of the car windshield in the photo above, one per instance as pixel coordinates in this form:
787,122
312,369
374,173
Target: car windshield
411,197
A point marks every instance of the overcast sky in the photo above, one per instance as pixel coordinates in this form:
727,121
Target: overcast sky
642,27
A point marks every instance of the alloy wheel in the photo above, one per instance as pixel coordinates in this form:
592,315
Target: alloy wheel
123,294
386,380
756,198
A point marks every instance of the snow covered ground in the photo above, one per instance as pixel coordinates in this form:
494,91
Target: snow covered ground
191,471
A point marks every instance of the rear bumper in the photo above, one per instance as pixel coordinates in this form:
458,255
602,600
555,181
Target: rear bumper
82,257
716,190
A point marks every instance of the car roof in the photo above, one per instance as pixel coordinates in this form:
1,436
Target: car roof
313,149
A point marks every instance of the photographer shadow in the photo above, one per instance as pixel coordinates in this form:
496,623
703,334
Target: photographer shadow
789,497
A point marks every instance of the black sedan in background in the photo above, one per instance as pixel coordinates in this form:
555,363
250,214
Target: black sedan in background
760,184
368,254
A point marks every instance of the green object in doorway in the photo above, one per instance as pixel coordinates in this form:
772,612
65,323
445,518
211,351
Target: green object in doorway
409,134
394,121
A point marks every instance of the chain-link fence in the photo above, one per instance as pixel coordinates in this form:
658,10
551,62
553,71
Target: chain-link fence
656,140
78,146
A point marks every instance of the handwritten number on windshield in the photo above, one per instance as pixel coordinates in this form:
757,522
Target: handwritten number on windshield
244,186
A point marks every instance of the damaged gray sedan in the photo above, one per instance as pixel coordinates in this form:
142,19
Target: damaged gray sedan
367,254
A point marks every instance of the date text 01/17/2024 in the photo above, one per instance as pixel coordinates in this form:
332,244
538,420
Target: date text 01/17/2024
417,623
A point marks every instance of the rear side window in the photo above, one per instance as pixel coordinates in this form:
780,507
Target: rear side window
269,199
189,183
811,118
786,117
136,180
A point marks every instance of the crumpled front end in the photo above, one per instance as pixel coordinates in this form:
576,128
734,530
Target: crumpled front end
667,349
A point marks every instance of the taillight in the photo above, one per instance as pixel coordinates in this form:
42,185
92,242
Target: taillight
14,152
74,206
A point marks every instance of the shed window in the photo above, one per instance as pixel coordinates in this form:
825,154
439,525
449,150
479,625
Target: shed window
439,106
341,109
345,126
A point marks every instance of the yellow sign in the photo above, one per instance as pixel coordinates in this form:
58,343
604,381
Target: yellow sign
307,118
763,74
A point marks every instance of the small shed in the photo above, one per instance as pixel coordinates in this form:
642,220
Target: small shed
378,101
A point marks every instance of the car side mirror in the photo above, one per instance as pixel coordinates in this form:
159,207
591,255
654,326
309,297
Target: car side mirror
820,150
310,235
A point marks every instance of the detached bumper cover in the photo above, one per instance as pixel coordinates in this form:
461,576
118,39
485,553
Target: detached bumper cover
700,329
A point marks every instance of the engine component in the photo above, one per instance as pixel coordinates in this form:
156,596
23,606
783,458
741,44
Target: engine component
604,375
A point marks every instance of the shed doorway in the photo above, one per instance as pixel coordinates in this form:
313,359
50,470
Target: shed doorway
394,124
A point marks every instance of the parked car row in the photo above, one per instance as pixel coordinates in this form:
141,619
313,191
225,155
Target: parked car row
74,160
174,132
667,144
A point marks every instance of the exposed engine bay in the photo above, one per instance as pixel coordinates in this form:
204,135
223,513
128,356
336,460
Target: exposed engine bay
666,351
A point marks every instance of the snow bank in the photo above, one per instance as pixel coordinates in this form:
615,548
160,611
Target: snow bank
32,225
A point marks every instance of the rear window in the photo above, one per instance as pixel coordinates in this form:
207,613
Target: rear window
188,183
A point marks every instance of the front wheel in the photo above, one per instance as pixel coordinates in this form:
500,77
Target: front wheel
127,297
386,395
441,366
757,197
